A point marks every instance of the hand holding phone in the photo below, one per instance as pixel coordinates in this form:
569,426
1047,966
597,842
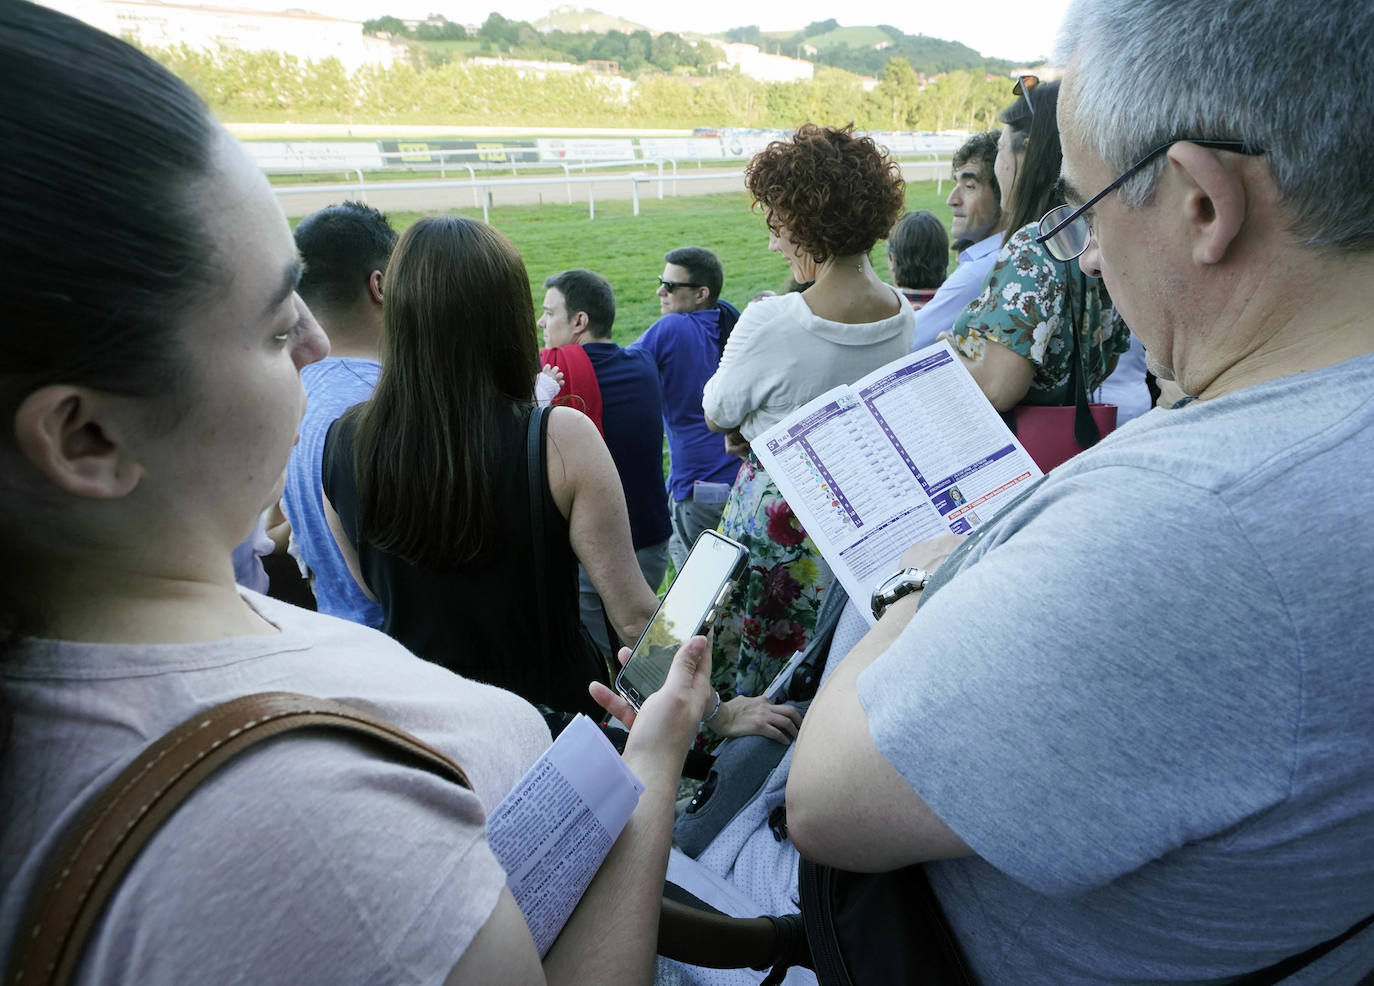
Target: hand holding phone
687,609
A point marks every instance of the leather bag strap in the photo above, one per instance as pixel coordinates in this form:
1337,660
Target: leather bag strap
1085,430
113,830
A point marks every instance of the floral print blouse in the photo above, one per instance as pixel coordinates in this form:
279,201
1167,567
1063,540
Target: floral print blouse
1025,305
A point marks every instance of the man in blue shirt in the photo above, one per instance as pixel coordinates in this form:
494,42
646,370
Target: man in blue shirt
345,249
579,309
686,343
979,223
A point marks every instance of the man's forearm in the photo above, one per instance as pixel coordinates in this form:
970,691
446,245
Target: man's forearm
846,805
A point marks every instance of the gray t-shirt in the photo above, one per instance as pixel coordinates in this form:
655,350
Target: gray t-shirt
1146,700
311,859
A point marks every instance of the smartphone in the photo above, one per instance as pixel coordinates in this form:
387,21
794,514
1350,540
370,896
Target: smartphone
688,608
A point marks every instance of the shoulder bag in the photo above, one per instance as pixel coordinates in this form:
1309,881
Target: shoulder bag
1054,434
112,832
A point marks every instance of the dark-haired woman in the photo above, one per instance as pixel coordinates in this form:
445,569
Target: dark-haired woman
1016,337
827,196
429,485
918,256
150,396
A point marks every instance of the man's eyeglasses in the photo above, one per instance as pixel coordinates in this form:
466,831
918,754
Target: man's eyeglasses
671,286
1065,232
1023,87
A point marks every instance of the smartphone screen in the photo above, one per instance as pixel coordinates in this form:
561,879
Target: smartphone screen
690,602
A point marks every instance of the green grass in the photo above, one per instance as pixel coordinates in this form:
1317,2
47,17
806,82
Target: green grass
628,250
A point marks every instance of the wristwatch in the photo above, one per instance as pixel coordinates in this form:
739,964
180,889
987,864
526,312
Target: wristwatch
894,587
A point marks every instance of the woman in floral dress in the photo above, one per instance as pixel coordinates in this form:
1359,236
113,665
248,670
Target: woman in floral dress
828,197
1016,337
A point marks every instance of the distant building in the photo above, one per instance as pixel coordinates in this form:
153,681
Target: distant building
309,36
766,68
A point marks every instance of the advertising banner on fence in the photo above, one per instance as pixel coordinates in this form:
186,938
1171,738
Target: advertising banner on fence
307,155
402,153
681,148
744,146
586,150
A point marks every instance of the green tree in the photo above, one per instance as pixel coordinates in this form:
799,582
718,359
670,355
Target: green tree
393,26
899,92
500,32
750,35
447,31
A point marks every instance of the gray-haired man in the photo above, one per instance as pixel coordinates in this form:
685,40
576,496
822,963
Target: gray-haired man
1133,723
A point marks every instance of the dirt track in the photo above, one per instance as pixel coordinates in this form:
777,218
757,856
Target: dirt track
300,200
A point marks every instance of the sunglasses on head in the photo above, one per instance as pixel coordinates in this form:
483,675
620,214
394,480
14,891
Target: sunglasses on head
1023,87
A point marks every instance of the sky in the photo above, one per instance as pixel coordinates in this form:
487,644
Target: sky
1018,30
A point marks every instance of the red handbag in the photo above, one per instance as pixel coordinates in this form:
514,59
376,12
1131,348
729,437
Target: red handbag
1051,434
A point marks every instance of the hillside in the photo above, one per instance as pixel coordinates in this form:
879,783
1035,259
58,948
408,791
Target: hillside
865,50
852,37
580,34
576,20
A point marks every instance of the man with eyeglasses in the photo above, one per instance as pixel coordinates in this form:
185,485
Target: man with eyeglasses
686,343
1130,724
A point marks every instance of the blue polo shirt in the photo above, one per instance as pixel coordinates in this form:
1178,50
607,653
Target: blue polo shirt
332,386
632,421
963,285
685,347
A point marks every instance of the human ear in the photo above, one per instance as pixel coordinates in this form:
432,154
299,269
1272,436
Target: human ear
1214,200
67,433
374,286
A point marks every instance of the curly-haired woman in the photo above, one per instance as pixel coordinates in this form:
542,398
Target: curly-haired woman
828,196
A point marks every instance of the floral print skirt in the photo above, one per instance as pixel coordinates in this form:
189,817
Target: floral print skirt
772,612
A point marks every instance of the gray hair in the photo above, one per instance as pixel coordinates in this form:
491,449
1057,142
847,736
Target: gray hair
1294,79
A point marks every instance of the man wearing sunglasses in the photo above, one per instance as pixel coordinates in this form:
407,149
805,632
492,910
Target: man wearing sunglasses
686,343
1132,715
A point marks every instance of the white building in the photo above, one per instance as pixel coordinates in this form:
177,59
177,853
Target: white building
309,36
766,68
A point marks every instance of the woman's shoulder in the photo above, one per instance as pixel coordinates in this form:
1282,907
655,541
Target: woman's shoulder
766,310
298,835
309,816
568,424
1021,252
337,448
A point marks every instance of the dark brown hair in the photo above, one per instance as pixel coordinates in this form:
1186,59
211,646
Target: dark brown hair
1037,189
919,250
837,194
459,353
100,152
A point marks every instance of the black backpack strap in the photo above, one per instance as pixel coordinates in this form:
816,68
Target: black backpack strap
534,466
1085,430
807,675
